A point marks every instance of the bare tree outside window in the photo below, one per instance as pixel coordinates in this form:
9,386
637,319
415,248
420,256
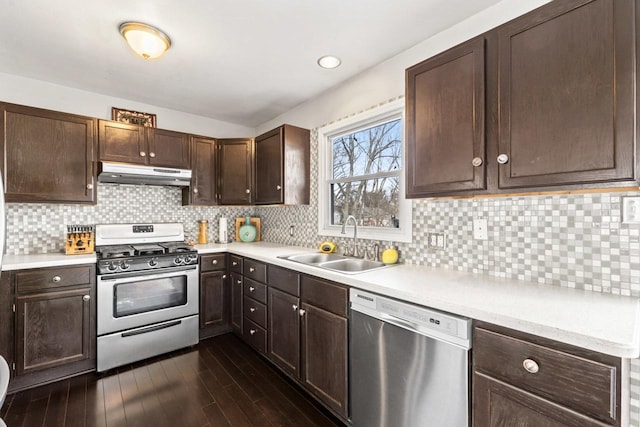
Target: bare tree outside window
366,175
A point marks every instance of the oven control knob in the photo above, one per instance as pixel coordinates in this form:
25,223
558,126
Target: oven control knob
179,260
153,262
124,265
112,266
191,259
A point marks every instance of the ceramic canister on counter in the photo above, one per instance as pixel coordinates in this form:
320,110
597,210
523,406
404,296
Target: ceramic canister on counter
248,231
203,231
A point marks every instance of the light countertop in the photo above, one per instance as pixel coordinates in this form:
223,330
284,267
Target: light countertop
601,322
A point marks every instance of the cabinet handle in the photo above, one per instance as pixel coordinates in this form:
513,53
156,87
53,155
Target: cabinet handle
503,158
302,312
530,366
251,309
214,262
251,289
278,187
152,154
86,298
143,154
56,279
251,269
247,191
89,186
195,191
477,161
252,331
295,307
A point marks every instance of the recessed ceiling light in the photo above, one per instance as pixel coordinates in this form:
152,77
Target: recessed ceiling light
329,61
145,40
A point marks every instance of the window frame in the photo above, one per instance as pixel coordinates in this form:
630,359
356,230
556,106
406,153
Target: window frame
369,118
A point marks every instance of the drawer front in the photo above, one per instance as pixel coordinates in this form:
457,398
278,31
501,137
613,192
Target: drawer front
213,262
255,270
52,278
254,335
578,383
255,311
326,295
283,279
235,264
255,290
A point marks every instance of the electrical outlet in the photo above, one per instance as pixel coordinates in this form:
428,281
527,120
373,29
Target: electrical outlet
437,240
480,229
631,210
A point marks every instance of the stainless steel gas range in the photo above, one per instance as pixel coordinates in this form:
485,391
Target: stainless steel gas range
147,298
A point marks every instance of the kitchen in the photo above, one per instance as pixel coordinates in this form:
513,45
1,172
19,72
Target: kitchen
566,241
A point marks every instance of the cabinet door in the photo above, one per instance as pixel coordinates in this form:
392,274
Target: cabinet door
324,357
446,122
121,142
284,330
53,329
269,168
214,308
202,190
6,316
498,404
236,303
566,95
168,148
48,156
234,171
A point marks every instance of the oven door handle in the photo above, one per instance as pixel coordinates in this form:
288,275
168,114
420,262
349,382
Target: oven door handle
150,329
151,274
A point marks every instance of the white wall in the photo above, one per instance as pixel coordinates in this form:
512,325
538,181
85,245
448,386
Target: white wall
37,93
386,80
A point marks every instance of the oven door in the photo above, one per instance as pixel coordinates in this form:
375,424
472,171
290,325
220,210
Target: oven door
130,300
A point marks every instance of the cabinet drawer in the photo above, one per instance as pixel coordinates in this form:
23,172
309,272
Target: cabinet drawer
235,263
283,279
581,384
52,278
213,262
255,270
255,311
254,335
326,295
255,290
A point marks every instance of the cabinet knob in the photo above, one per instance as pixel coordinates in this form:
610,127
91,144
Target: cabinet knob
143,154
239,281
234,263
152,154
86,298
56,279
278,187
503,158
252,331
214,262
89,186
295,307
302,312
530,366
251,289
251,269
195,191
224,276
251,309
247,191
477,161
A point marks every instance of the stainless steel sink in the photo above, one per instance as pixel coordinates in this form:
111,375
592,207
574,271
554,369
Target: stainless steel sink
336,262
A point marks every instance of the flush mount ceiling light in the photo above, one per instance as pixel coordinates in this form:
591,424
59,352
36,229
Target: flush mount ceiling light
329,61
145,40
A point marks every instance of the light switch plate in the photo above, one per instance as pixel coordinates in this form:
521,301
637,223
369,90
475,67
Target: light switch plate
631,210
480,229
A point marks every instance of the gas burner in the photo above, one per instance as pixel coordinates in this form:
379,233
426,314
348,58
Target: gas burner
119,251
149,249
177,247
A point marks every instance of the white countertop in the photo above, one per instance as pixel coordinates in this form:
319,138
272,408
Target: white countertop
601,322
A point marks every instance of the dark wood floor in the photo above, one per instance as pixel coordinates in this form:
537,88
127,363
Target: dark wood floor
220,382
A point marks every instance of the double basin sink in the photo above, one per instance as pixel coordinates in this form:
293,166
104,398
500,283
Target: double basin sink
336,262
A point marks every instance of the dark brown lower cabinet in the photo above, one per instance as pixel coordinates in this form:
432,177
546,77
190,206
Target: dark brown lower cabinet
236,303
284,330
214,308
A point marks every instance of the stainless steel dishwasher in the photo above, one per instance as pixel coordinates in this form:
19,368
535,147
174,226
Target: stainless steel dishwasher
409,365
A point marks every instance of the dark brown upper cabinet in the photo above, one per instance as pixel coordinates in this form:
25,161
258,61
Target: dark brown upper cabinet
445,108
47,156
121,142
202,190
235,159
554,110
282,166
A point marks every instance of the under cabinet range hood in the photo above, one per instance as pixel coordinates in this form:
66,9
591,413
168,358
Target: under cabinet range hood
122,173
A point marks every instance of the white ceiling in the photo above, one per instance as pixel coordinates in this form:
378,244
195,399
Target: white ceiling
240,61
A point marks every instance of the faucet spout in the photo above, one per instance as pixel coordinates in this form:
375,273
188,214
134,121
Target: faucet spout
355,226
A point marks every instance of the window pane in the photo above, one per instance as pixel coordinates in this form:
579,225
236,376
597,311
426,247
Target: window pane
373,202
368,151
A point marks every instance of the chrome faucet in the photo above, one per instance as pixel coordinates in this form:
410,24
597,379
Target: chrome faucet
355,233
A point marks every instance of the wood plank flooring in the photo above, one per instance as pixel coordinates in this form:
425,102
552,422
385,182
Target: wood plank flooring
219,382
